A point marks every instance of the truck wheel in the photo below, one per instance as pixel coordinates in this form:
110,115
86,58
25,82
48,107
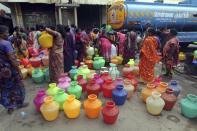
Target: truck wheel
189,58
184,45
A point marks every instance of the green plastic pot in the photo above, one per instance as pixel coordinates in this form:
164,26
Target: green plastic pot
102,61
37,75
52,90
46,75
74,89
97,63
189,106
61,97
195,54
73,72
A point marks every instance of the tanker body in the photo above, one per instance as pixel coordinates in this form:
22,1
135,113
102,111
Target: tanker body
137,15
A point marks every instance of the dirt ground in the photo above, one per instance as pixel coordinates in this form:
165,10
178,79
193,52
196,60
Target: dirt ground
133,115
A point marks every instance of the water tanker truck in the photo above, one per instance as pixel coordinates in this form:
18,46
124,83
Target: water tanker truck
136,15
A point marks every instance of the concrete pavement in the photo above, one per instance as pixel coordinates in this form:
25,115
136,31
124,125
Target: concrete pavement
133,115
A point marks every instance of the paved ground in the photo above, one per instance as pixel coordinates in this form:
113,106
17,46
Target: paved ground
133,115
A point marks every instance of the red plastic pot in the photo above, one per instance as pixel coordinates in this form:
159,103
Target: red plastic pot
126,70
82,82
110,112
169,98
98,80
134,81
35,62
118,81
30,50
34,53
92,87
25,62
105,76
107,88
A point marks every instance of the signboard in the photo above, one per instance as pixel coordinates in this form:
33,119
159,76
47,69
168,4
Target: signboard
165,1
177,15
38,18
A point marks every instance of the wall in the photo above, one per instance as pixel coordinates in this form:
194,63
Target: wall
104,16
36,1
38,14
68,16
88,15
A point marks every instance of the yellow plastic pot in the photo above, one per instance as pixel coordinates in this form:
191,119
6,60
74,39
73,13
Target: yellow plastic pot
46,40
114,61
72,107
181,56
24,71
120,59
49,109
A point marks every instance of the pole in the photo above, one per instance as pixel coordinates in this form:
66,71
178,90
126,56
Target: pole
16,11
60,15
75,14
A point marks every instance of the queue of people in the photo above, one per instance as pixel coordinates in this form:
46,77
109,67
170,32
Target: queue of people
70,44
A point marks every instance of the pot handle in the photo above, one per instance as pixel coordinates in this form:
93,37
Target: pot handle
192,97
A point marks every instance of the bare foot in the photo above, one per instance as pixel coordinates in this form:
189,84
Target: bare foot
10,111
25,104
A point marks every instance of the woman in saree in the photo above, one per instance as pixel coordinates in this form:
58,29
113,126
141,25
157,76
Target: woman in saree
121,40
170,52
85,40
105,45
129,48
11,85
56,57
148,57
20,46
32,39
69,51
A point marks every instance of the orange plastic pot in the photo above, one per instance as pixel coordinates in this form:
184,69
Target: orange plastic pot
162,87
92,106
89,62
146,92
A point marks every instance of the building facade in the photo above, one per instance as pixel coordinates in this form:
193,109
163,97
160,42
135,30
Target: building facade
83,13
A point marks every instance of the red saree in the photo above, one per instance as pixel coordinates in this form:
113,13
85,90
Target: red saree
148,59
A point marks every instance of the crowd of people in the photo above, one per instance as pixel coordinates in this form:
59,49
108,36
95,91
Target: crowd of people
156,48
70,44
